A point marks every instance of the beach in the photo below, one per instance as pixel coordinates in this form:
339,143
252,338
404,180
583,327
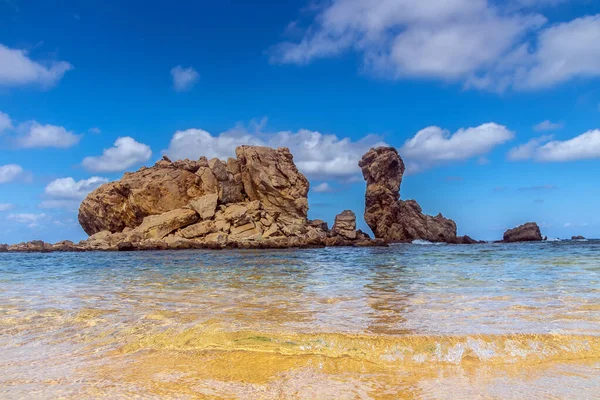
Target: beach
414,321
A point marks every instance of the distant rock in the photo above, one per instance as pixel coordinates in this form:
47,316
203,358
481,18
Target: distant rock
345,224
392,219
529,232
578,237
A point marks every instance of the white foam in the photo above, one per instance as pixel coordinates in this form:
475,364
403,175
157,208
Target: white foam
421,242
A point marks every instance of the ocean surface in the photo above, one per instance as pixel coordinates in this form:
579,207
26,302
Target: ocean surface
412,321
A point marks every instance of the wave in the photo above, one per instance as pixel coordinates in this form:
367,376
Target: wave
426,243
380,349
554,240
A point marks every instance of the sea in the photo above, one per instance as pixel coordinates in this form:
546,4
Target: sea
411,321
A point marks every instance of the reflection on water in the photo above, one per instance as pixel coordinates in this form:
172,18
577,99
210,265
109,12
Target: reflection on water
409,321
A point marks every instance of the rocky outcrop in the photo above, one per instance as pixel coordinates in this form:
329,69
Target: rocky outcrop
392,219
578,237
256,200
529,232
345,225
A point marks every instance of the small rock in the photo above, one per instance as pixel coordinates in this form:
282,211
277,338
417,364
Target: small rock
529,232
159,226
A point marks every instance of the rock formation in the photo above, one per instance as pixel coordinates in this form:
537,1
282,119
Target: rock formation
578,237
396,220
256,200
529,232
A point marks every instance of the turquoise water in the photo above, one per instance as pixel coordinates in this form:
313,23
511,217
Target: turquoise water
99,323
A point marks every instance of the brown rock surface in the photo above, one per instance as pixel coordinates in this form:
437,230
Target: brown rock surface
270,175
345,224
149,191
159,226
257,200
206,205
390,218
529,232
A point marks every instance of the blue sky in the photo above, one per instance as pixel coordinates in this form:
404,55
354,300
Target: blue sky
494,105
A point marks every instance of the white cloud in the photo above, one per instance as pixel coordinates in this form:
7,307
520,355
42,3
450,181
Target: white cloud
32,220
184,78
17,69
193,143
565,51
484,44
315,154
525,151
446,39
582,147
34,134
95,130
547,126
10,172
126,153
5,206
322,188
68,188
5,122
433,145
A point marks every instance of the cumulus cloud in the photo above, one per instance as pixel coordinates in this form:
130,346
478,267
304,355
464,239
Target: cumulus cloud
565,51
10,172
583,147
126,153
433,145
526,151
5,206
322,188
482,43
5,122
316,155
184,78
17,69
547,126
68,188
33,134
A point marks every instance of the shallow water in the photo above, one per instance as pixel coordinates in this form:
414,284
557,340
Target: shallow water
409,321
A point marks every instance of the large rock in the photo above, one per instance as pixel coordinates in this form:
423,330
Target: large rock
390,218
257,200
529,232
270,175
149,191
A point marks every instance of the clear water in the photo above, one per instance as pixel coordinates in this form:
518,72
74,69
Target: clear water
409,321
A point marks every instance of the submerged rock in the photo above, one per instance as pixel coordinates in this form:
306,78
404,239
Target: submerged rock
392,219
529,232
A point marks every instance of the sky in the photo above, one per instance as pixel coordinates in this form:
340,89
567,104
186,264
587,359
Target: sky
493,105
